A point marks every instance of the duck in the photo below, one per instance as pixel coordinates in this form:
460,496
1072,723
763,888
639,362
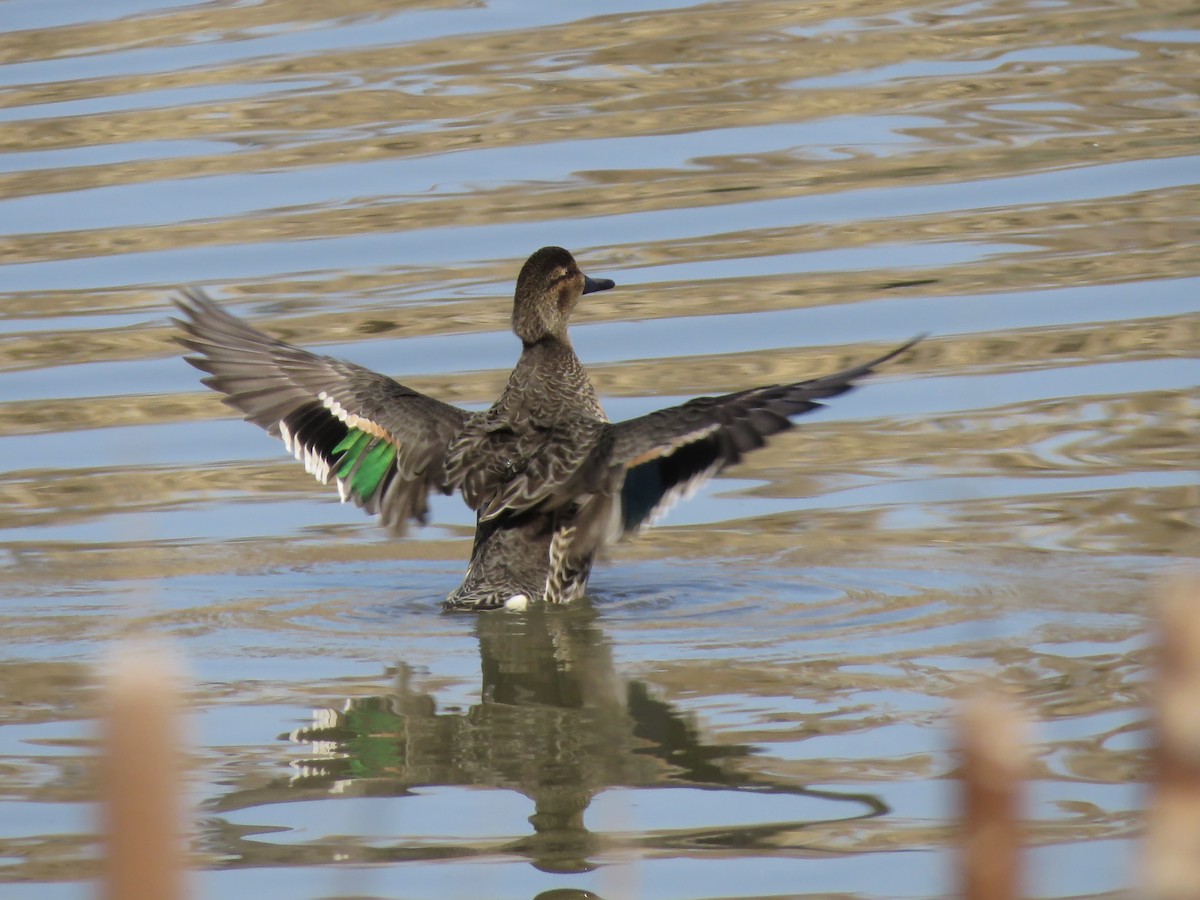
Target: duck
550,479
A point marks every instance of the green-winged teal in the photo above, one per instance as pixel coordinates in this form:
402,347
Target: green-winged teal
549,477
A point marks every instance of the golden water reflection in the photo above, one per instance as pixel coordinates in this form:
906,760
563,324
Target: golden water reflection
779,190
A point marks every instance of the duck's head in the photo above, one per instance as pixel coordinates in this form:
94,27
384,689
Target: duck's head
549,286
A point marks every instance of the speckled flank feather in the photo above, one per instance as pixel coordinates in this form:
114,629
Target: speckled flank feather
568,574
549,477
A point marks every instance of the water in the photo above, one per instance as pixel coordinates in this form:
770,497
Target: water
756,701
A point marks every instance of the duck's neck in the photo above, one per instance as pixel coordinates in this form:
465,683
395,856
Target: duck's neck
547,343
542,362
551,384
536,322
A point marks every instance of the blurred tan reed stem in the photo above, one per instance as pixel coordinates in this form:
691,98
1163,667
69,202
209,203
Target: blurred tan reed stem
1172,857
992,735
141,778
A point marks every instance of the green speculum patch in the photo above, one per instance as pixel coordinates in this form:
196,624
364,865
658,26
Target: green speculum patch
365,459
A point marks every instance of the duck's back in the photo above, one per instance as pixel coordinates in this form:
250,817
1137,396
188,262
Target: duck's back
525,448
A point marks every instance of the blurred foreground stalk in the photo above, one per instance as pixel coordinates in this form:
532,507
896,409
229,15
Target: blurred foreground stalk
992,735
141,778
1173,818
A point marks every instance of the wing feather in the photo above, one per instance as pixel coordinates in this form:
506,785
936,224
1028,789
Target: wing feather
666,455
383,443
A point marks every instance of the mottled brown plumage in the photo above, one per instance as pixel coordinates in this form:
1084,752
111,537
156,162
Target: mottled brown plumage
550,478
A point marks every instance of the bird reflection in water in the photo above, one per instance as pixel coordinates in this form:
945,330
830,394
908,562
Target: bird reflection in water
556,724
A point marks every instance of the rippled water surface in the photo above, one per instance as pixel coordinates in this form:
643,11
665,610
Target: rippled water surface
755,702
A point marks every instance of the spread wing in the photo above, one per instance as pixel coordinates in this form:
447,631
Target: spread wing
382,443
670,453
